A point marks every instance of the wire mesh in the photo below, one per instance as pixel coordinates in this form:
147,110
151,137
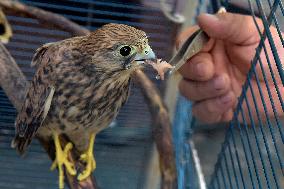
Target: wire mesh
121,152
253,152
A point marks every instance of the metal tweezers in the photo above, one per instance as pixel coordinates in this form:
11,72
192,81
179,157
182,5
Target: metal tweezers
189,48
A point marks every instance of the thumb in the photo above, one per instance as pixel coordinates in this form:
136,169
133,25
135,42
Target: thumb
234,28
184,35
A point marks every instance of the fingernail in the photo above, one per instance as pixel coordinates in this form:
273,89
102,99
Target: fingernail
219,83
211,17
227,98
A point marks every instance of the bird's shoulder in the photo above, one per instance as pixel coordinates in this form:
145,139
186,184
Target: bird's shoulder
56,52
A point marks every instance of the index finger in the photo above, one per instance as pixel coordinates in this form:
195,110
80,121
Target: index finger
199,68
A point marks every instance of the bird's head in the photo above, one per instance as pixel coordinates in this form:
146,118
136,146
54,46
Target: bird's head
5,28
122,47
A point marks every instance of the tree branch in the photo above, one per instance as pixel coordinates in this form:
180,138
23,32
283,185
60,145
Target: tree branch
45,17
161,130
12,79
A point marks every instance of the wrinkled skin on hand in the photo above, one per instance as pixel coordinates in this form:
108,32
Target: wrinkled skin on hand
213,78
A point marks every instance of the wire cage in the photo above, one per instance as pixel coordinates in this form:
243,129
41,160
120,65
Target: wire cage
253,151
251,155
128,141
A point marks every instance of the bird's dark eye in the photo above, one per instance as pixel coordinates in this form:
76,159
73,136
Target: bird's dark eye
125,50
2,29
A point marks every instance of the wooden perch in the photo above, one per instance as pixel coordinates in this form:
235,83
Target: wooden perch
12,79
45,17
161,126
161,130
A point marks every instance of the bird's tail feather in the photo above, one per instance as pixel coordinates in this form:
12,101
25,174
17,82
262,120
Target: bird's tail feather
20,143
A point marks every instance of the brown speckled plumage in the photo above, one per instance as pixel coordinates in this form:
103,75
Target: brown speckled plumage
87,81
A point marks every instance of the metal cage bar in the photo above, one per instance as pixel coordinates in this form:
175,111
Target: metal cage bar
257,139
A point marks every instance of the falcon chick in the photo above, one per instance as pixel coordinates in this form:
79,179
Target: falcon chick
78,88
5,28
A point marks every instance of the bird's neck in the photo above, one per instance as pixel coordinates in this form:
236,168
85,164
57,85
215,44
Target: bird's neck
116,73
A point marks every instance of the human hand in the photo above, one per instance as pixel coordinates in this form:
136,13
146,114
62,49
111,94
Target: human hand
213,78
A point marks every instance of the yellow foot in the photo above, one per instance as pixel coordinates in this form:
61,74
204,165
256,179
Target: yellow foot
62,159
89,159
91,165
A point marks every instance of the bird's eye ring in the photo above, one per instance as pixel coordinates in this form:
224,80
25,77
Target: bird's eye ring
125,50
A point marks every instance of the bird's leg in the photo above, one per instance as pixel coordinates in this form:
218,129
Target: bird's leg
62,159
88,157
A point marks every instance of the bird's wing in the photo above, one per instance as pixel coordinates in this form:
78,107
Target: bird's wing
41,56
37,103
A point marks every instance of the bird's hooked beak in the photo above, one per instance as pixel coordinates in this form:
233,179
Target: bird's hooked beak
146,54
140,58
